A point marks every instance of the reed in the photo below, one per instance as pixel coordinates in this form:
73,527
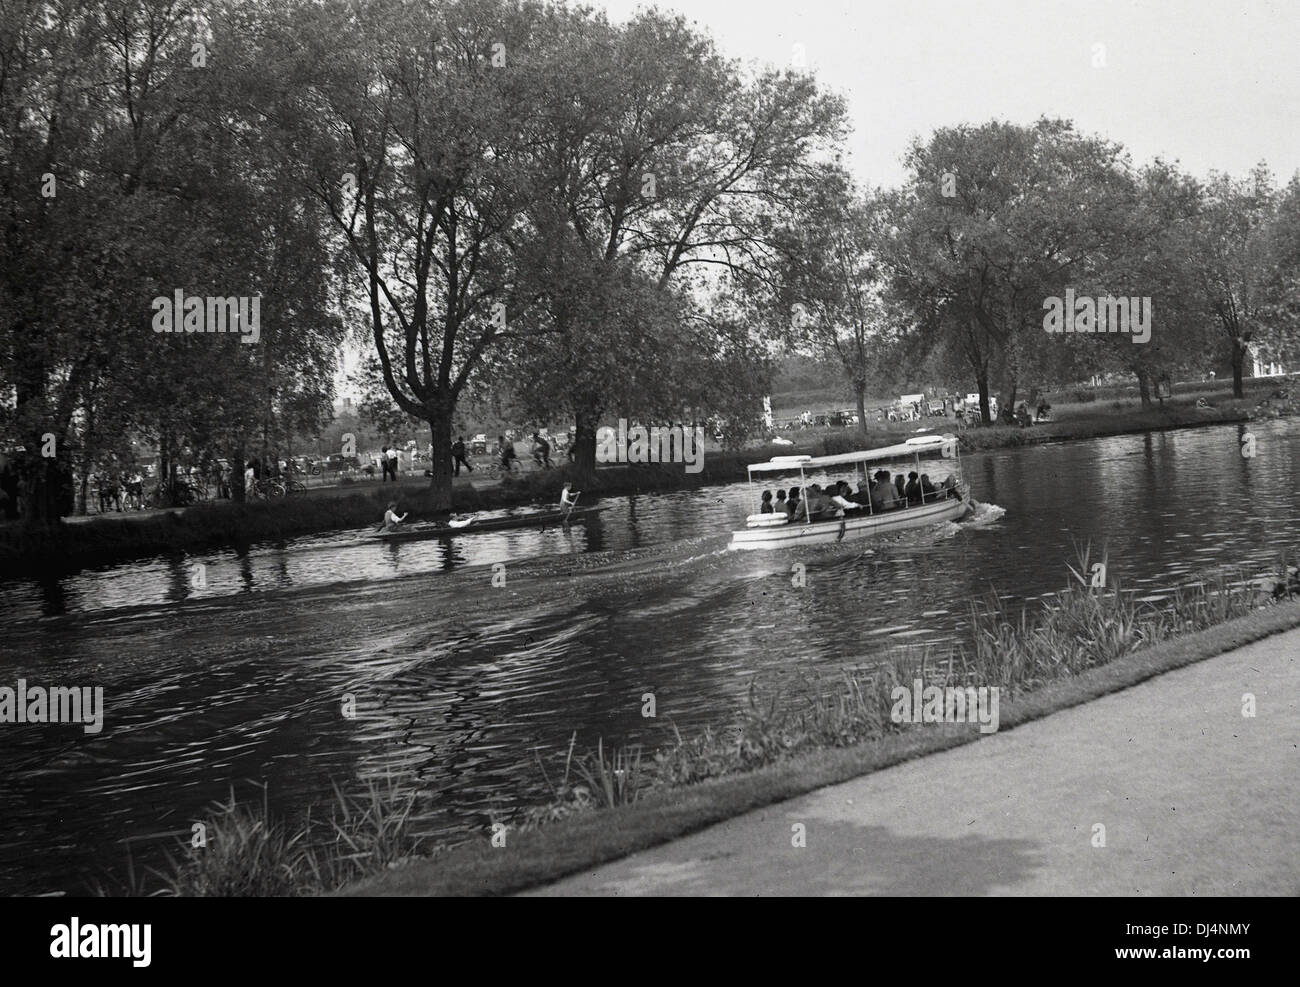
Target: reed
246,853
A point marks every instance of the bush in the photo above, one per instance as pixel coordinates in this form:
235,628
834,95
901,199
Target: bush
1084,397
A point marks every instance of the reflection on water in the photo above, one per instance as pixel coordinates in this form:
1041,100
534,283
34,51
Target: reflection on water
459,685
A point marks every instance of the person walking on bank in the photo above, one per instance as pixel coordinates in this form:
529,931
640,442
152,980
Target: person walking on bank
393,461
458,455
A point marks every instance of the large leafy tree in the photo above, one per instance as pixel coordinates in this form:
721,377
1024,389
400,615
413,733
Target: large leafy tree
994,219
665,168
1236,252
414,125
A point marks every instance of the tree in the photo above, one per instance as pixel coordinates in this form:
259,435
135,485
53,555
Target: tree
1236,253
832,281
664,169
993,220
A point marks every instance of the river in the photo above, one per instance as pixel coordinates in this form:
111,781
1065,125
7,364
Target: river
459,686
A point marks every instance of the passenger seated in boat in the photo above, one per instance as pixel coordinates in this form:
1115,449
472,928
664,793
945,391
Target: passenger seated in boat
766,506
820,506
949,488
928,492
882,492
863,497
391,518
840,497
900,485
792,503
913,489
778,506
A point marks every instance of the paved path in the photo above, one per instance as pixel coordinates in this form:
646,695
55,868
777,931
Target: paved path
1195,799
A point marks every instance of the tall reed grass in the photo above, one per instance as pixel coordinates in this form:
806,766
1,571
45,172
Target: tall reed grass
246,853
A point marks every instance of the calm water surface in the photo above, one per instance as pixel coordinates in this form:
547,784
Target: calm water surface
460,686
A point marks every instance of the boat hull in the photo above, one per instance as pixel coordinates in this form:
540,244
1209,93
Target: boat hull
417,532
847,528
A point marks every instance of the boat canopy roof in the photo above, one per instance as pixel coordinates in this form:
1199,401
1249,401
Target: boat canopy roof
904,450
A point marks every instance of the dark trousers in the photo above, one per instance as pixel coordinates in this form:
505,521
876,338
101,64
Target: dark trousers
459,461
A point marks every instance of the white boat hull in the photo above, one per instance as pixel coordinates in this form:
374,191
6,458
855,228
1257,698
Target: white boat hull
846,528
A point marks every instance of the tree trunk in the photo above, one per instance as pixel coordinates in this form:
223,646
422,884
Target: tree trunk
46,482
982,380
440,462
860,397
238,493
1238,365
584,445
1144,387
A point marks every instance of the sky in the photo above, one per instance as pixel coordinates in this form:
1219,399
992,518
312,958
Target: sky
1214,84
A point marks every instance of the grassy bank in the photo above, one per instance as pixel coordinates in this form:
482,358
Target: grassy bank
224,524
797,732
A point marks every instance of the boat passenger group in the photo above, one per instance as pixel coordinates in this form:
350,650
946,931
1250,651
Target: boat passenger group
840,500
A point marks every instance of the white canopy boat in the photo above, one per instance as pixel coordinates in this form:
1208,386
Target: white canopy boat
947,501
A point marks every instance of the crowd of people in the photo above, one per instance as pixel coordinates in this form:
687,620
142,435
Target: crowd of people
839,499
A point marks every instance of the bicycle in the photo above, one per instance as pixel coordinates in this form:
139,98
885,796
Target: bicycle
267,488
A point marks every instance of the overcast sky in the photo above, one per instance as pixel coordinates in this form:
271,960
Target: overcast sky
1213,84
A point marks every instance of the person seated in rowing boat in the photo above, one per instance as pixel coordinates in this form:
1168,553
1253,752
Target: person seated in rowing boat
391,517
567,499
766,506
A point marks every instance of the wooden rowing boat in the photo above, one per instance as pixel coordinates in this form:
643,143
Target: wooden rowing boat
472,524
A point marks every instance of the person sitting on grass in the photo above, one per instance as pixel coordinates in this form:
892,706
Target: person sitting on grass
391,517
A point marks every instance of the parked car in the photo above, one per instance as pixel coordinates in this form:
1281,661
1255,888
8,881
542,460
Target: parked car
478,445
336,462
